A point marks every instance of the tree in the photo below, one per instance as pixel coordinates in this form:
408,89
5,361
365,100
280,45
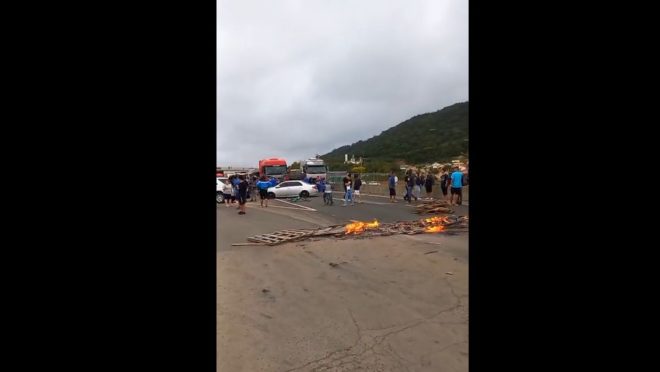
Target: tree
359,169
295,165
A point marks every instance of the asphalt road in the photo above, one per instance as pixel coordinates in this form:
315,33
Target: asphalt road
389,304
284,214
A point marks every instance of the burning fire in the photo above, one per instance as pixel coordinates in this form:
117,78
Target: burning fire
434,220
359,227
436,224
433,229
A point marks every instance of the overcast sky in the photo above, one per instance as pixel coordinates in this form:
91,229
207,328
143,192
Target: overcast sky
301,77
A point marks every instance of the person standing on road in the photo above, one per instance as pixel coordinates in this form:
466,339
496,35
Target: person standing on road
356,186
406,179
348,183
321,187
348,187
227,190
234,188
327,194
253,188
263,186
430,178
464,183
411,180
456,186
242,193
419,183
391,183
444,183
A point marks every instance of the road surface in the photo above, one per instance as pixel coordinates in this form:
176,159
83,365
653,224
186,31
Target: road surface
396,303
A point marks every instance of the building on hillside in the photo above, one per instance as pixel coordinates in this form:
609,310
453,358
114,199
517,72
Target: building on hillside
352,160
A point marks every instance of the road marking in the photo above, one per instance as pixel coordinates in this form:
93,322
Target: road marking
296,205
364,202
276,206
374,195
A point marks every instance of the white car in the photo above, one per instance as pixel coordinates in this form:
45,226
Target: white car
221,187
288,189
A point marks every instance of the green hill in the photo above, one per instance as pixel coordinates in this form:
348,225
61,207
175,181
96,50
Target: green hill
437,136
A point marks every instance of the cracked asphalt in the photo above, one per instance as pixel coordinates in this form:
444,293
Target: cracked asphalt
397,303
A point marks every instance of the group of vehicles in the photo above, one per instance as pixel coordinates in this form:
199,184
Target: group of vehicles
291,182
286,189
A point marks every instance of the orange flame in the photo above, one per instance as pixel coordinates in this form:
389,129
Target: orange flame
359,227
434,220
433,229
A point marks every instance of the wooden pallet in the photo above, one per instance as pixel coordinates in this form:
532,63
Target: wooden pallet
279,237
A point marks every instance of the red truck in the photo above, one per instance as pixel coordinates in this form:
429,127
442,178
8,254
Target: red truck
273,167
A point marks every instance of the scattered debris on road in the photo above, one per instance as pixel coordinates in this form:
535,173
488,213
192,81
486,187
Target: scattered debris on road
431,252
361,230
433,206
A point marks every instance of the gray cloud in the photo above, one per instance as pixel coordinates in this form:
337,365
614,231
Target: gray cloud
296,78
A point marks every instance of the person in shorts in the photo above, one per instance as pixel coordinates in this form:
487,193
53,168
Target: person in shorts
242,193
263,184
456,186
391,182
356,188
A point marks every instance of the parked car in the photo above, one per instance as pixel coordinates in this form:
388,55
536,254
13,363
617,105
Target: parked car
288,189
221,187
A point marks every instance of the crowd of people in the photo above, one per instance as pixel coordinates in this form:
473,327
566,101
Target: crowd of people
241,187
414,183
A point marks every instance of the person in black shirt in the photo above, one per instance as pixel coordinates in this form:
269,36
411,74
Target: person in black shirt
444,183
356,187
348,186
242,193
430,178
412,180
419,183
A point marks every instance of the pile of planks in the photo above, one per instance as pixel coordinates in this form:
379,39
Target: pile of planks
450,222
414,227
433,206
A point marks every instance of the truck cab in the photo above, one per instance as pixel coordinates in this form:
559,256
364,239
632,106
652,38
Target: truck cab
273,167
314,169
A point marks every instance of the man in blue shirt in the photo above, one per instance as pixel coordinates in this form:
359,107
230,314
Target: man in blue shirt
456,186
263,184
391,182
